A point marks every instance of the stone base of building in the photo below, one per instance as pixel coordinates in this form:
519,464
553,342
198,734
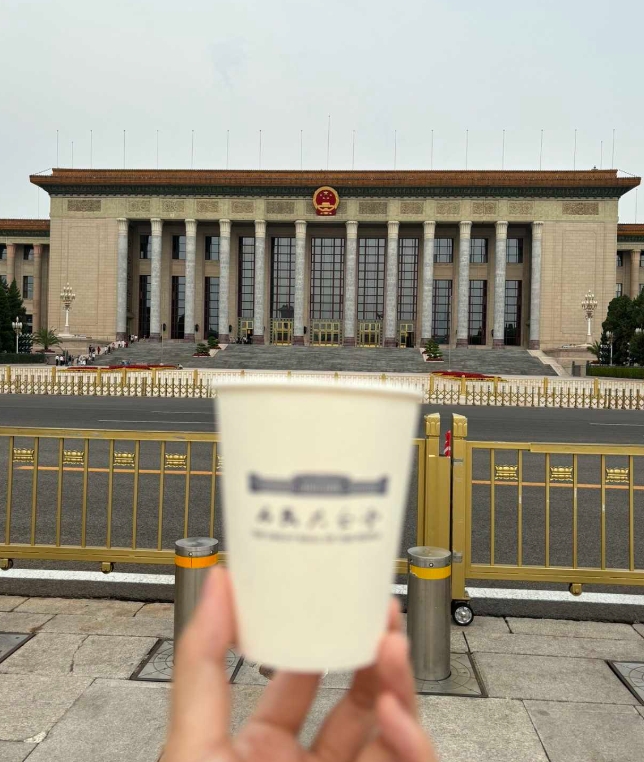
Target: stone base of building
121,336
189,337
390,342
349,341
461,343
155,337
258,338
224,338
498,344
298,341
534,344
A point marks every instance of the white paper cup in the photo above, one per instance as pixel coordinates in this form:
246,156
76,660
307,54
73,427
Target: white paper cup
315,483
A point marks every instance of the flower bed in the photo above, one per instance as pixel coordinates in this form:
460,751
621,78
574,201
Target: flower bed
86,368
464,374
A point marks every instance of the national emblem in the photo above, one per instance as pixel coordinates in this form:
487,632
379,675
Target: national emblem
325,201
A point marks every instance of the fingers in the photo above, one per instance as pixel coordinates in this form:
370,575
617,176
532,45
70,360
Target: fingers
400,733
286,701
351,724
201,702
394,670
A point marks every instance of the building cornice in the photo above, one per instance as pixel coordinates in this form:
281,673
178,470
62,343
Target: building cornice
20,227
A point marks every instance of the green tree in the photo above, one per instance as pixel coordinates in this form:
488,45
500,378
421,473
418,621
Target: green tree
14,302
432,350
6,332
46,338
624,316
637,348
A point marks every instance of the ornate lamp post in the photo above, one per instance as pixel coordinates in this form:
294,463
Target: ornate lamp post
17,329
589,305
609,336
67,296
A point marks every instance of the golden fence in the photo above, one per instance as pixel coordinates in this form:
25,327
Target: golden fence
123,496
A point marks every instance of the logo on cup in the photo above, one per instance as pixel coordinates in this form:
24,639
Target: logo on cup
329,485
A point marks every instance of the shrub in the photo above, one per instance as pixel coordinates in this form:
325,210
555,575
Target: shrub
432,350
612,371
11,358
213,342
202,350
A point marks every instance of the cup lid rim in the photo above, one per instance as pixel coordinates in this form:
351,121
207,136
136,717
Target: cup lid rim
306,385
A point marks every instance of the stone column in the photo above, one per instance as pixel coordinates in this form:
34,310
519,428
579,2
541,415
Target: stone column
36,308
427,313
351,258
501,256
535,286
11,263
155,280
259,329
224,280
391,285
191,253
300,257
635,274
462,326
121,280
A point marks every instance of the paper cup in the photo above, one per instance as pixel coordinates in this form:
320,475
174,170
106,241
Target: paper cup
315,484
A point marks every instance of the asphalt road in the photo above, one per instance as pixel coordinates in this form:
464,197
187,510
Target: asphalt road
485,424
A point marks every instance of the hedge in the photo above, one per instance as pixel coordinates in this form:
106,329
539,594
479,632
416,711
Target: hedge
614,371
10,358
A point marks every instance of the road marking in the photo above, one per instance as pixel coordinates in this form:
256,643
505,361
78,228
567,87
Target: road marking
156,420
631,425
495,593
177,412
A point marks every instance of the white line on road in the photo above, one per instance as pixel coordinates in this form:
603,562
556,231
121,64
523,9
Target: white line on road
496,593
630,425
118,420
178,412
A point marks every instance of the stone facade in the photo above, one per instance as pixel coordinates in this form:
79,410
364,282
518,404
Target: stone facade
98,218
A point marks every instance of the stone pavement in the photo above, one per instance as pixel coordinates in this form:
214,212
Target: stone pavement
510,361
551,696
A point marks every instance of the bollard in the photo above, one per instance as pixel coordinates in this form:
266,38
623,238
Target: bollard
193,559
428,612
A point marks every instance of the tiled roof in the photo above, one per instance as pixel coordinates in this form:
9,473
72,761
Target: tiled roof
630,229
24,226
606,178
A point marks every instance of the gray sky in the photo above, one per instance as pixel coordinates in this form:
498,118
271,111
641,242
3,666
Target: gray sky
283,66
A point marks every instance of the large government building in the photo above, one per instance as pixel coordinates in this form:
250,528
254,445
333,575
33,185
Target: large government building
326,258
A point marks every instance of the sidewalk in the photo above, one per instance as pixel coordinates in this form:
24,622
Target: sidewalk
66,692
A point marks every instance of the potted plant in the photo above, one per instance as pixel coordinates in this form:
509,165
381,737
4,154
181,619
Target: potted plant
432,352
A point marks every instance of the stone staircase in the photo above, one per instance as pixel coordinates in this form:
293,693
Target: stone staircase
511,361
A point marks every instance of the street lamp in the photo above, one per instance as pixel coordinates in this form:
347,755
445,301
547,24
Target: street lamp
17,329
67,296
589,305
609,336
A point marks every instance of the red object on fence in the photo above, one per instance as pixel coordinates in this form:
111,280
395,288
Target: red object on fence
447,450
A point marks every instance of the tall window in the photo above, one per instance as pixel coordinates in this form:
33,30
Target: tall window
27,286
444,251
619,289
477,312
178,327
282,278
246,290
178,247
512,321
641,258
3,251
28,252
407,278
478,251
145,295
514,250
327,278
145,247
211,307
371,278
212,248
28,324
442,310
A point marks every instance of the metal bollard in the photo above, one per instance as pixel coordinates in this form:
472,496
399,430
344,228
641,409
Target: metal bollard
193,559
428,611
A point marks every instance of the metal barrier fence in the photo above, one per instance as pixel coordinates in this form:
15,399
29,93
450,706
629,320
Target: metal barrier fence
541,512
125,496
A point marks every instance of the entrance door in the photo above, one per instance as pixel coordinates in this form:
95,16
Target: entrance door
281,332
406,335
369,333
326,333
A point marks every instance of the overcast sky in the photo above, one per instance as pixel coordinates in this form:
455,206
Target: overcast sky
378,67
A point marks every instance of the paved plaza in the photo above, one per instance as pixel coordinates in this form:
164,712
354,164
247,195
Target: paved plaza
551,695
510,361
